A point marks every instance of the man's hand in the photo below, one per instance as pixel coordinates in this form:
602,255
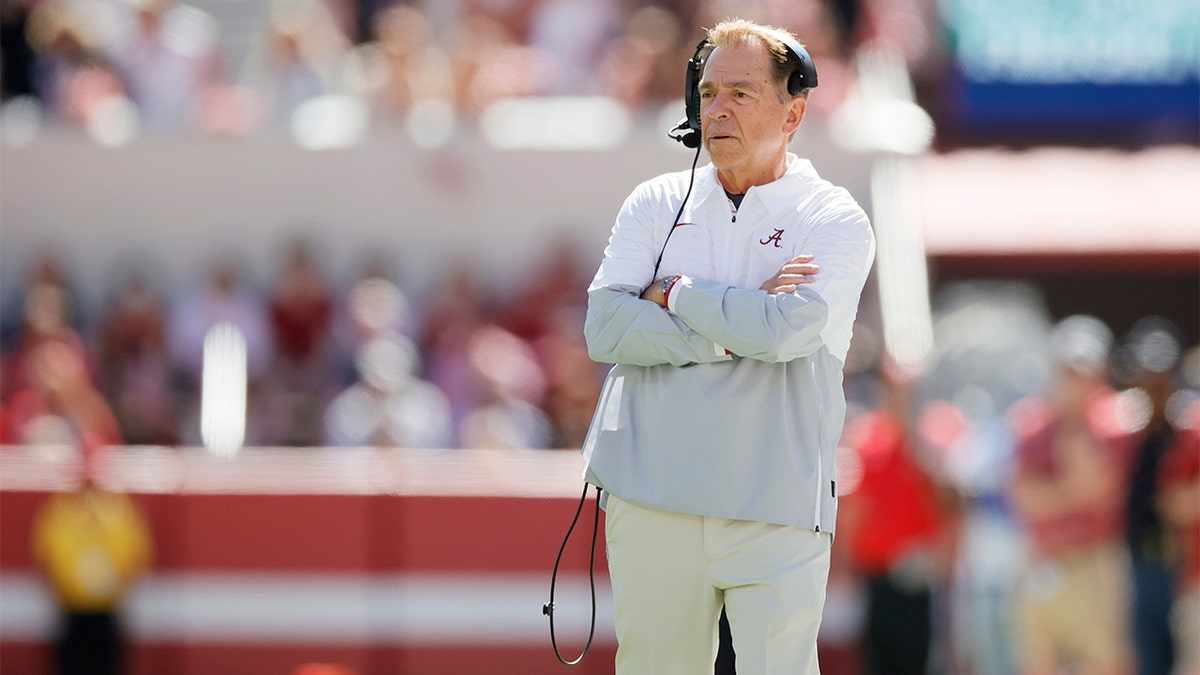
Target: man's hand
654,293
798,270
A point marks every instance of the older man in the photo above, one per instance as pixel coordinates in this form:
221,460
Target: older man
715,433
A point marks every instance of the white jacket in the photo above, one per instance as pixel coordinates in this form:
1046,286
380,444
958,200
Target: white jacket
730,404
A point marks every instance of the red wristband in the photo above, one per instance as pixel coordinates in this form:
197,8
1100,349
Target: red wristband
668,285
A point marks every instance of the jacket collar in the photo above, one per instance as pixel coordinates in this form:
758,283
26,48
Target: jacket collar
775,196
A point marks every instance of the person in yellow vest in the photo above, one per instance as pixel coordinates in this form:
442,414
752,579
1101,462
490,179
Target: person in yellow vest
91,544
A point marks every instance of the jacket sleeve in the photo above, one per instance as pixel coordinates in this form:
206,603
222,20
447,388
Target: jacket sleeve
786,326
622,328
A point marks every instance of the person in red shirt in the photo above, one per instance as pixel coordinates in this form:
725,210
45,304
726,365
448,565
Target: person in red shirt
60,400
896,522
1068,492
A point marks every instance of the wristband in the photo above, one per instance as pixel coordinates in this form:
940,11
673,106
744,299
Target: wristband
668,286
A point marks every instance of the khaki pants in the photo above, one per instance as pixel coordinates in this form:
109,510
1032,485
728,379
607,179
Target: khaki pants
1073,610
1185,624
671,573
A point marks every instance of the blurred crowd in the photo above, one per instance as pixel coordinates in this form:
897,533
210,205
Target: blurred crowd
1026,501
123,67
362,366
1027,474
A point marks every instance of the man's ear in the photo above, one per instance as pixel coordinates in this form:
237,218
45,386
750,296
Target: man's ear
796,109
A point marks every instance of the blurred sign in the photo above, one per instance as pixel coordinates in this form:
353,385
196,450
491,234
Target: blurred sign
1100,64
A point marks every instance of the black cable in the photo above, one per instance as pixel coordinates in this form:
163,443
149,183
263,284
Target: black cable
691,180
548,608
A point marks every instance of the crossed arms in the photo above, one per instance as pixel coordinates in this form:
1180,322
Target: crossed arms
789,316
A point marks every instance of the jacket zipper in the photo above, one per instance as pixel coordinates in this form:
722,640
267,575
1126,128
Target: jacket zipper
820,494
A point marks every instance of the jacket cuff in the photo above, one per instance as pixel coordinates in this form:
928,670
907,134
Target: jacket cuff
680,280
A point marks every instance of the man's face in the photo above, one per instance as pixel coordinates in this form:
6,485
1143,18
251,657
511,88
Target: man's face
1072,389
744,125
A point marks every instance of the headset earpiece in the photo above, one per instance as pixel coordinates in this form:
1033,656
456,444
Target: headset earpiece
804,77
691,93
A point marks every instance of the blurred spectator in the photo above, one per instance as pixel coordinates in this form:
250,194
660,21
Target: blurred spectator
456,309
389,406
44,312
223,298
1179,504
92,545
1067,491
406,65
60,401
490,63
547,313
573,35
170,62
304,56
302,377
1151,352
48,386
135,369
45,268
902,26
511,385
71,74
989,351
897,526
573,383
644,66
374,306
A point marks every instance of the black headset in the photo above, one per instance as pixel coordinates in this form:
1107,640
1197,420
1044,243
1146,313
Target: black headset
688,129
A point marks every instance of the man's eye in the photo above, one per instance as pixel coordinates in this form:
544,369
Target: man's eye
706,94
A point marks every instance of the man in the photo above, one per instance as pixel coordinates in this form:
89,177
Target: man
1151,355
715,432
1067,491
1179,504
92,545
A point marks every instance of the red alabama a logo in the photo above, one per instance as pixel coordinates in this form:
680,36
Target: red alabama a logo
777,238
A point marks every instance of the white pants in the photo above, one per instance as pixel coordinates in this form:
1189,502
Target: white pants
672,572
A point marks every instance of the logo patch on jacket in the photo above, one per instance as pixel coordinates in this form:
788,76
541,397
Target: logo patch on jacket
777,238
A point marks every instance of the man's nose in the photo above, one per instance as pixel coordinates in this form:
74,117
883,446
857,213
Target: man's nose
719,107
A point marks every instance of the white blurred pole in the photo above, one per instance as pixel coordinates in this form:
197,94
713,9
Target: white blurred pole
883,117
900,263
223,390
